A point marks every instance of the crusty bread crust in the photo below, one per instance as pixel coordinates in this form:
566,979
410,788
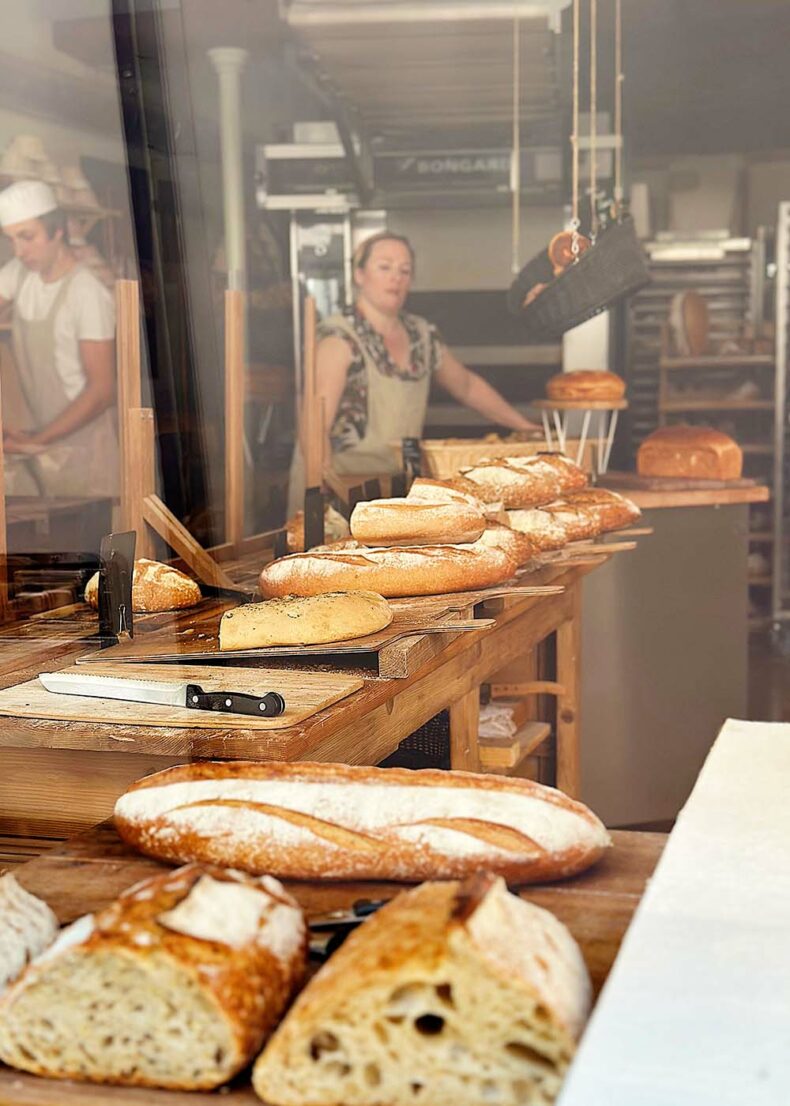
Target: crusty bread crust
246,986
457,490
526,484
460,993
585,384
383,522
335,821
611,510
518,546
299,620
421,570
545,530
155,587
578,523
690,452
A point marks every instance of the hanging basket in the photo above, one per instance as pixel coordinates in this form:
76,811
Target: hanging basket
614,267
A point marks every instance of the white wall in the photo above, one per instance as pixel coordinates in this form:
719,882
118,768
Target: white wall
466,249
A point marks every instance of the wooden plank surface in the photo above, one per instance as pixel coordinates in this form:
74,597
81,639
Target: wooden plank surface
235,356
360,730
88,872
305,694
700,498
670,483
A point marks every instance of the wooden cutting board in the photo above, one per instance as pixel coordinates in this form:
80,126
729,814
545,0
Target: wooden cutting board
305,694
626,480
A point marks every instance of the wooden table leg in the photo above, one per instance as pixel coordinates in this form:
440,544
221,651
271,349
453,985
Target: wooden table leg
569,676
464,719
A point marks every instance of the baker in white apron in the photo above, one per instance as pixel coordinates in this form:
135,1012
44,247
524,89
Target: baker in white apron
374,368
63,331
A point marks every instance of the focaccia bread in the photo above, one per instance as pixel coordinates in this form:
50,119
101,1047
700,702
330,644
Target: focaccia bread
545,530
335,821
583,384
611,510
296,620
420,570
384,522
27,927
176,984
691,452
452,994
155,587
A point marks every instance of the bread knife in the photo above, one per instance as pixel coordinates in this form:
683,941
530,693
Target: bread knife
190,696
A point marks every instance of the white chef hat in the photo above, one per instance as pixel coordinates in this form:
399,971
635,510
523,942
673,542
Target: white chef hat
27,199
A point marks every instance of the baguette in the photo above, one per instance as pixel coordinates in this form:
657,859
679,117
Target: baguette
544,529
27,926
519,482
294,620
384,522
519,546
577,521
176,984
334,821
457,490
571,476
421,570
155,587
452,994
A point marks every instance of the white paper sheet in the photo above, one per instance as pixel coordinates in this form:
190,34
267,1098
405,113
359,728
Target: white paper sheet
697,1007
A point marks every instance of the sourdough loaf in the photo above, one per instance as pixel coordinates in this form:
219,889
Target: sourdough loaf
517,485
611,510
545,530
691,452
584,384
520,547
578,523
176,984
334,821
155,587
295,620
421,570
452,994
27,927
384,522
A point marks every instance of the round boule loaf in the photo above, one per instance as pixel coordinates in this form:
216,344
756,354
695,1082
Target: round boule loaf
420,570
593,384
300,620
416,522
155,587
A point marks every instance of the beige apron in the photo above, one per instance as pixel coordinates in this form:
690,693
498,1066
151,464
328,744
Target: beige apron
396,409
85,462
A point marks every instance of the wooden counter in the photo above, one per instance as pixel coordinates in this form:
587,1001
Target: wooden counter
89,871
56,777
695,497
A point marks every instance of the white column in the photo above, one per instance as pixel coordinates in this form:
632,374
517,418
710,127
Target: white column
229,62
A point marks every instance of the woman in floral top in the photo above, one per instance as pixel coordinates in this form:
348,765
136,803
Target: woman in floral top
375,364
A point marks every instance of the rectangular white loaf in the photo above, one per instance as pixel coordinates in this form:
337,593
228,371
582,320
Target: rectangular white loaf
335,821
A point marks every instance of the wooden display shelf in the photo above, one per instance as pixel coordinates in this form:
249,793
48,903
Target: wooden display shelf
719,361
675,405
503,755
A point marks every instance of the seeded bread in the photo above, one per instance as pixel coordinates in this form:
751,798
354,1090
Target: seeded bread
452,994
155,587
174,985
296,620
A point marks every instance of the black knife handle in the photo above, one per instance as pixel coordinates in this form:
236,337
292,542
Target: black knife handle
235,702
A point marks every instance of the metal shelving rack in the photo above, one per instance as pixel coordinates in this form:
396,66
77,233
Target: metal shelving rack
780,591
729,273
